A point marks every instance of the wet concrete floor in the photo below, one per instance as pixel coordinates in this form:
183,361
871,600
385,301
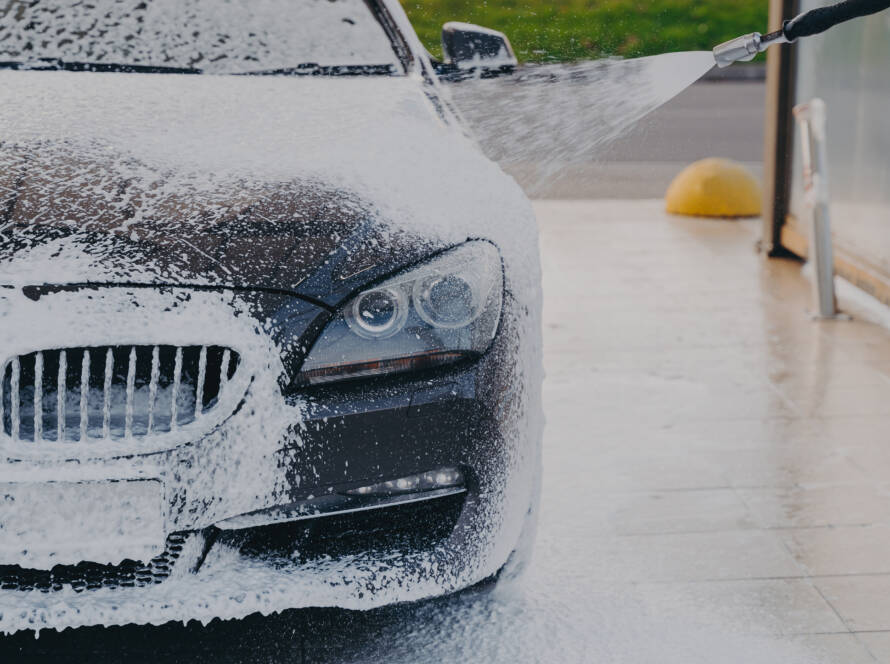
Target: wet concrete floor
720,450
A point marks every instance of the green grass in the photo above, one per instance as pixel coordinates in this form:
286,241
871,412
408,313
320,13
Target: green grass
564,30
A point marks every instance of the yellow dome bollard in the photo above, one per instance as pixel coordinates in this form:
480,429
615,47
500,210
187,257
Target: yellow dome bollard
714,188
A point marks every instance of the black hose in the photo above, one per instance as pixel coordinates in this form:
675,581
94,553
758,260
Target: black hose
819,20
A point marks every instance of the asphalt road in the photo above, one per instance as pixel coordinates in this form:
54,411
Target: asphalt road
709,118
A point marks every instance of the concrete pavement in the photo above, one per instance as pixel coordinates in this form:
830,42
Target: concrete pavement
724,455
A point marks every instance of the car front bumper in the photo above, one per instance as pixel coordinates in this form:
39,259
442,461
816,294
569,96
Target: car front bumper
277,449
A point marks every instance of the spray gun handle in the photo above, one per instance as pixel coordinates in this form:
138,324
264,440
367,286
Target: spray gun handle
820,19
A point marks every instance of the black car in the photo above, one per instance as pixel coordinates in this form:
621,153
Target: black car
269,320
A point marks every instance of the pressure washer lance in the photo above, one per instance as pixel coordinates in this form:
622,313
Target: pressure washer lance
744,48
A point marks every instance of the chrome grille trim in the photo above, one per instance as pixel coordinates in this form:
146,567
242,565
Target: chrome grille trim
174,394
131,389
106,395
61,393
153,388
202,376
38,396
15,397
134,392
84,392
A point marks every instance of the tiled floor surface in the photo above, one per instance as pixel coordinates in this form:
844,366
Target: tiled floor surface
719,448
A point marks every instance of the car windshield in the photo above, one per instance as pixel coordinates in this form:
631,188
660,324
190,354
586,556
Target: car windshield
198,36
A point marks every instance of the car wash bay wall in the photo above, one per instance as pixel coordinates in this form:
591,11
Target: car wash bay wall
849,68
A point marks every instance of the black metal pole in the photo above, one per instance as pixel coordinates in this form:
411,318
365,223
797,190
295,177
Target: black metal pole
778,131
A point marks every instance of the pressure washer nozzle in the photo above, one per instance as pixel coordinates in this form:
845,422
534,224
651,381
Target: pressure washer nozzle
813,22
744,48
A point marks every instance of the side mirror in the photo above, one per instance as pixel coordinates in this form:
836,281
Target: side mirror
471,48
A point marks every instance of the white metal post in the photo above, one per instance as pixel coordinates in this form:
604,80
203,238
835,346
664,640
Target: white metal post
811,120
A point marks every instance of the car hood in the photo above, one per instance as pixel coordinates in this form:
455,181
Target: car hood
306,185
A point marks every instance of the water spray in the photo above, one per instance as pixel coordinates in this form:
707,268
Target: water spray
746,47
543,120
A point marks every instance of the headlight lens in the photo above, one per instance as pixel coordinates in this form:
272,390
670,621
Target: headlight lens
442,311
378,314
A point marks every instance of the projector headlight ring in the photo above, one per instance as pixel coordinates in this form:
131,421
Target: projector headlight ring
378,313
442,311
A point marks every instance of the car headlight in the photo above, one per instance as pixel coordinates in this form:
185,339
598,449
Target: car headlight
442,311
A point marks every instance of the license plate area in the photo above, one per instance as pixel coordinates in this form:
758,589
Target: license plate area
43,524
